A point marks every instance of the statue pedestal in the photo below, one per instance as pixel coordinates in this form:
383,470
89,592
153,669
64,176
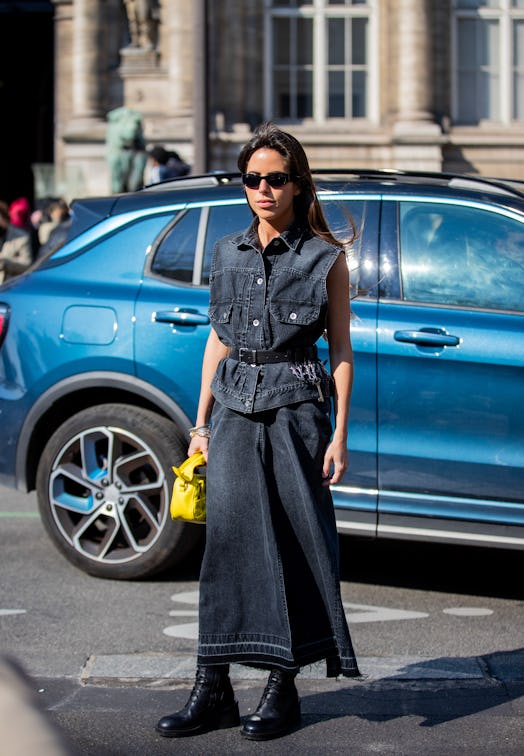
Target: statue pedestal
137,60
143,80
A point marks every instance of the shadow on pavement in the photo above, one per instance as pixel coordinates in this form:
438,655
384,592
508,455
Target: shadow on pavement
432,566
412,692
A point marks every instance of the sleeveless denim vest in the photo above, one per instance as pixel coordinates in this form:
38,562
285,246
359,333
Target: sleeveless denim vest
271,299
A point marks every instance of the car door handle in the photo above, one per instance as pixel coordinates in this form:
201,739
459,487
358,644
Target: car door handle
434,337
180,316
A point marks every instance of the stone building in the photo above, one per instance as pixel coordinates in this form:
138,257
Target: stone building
420,84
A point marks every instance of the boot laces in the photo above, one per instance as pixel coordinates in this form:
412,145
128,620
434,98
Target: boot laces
277,682
209,679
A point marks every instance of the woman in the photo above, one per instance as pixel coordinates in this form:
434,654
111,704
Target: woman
269,585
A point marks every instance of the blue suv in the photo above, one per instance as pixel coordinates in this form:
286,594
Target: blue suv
101,345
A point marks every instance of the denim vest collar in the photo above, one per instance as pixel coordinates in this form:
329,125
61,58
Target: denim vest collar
291,237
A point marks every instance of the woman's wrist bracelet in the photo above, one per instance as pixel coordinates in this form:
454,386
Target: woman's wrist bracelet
200,430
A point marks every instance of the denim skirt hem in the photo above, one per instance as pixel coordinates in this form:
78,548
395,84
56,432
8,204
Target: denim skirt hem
334,665
261,651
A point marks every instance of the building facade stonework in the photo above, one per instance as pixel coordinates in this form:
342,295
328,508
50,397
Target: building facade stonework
405,84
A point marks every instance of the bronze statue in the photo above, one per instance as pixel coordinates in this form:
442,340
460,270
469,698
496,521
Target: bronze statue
126,151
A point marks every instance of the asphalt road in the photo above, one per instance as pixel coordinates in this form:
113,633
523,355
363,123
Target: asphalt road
439,632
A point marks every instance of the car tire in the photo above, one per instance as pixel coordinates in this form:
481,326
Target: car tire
104,484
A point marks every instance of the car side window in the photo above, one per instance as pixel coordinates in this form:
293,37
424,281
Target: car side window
460,255
223,220
175,255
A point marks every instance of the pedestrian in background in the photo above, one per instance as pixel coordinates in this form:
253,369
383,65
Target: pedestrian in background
15,246
20,213
269,582
55,213
165,164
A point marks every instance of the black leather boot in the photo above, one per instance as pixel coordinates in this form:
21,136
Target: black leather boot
211,706
278,711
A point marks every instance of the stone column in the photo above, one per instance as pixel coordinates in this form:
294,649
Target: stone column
179,37
414,62
63,78
200,88
415,134
86,74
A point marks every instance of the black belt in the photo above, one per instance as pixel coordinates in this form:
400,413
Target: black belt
265,357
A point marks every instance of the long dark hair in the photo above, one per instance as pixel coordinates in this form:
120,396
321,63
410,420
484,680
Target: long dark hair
306,204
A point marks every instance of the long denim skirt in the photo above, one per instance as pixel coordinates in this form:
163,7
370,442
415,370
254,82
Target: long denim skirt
269,583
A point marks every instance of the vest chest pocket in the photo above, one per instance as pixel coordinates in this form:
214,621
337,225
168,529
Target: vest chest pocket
296,298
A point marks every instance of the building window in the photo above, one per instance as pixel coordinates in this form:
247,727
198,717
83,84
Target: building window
319,62
488,44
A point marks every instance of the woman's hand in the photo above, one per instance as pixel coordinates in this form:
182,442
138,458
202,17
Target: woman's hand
336,462
198,444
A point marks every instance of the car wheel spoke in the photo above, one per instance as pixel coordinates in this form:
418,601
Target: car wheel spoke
108,526
128,530
69,488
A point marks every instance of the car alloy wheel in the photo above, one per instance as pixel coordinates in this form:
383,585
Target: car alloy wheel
104,485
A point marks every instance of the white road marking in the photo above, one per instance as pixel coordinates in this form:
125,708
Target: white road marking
186,597
183,613
468,611
365,613
6,612
354,613
189,630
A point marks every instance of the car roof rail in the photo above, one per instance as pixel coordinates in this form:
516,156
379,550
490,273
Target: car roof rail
512,187
194,182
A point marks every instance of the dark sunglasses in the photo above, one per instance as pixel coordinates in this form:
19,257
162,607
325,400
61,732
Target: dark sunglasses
275,179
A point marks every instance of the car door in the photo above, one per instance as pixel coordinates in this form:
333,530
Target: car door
172,324
451,372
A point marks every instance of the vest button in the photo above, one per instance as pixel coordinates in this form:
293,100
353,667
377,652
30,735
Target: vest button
293,316
256,322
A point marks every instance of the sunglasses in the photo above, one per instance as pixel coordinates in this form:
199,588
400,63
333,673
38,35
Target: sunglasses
275,179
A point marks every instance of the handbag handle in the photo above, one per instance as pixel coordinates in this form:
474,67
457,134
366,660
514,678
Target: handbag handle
187,468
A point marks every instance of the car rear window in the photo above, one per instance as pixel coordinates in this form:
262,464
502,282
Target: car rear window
175,255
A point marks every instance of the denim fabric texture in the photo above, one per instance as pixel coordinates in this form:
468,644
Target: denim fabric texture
275,299
269,583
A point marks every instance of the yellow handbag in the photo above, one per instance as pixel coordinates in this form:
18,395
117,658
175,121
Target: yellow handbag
188,500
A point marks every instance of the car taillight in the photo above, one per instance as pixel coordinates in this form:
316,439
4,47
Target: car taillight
4,318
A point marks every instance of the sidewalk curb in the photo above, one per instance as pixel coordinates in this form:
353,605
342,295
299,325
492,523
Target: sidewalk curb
122,669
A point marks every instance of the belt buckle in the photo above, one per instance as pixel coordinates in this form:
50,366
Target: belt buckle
249,356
